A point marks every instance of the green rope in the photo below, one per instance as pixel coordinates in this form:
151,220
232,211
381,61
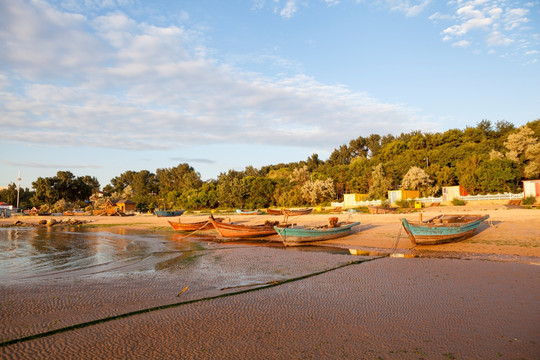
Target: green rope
169,306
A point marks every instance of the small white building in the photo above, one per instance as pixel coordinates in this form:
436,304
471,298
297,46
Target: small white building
531,188
351,200
5,210
449,193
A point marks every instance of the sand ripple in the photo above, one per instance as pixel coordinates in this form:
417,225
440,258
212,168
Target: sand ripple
387,308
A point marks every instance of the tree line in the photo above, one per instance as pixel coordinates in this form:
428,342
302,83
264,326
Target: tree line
487,158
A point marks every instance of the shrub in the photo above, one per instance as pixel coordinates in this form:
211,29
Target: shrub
458,202
405,203
529,200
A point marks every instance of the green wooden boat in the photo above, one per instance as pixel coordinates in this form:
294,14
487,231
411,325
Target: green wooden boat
294,236
442,229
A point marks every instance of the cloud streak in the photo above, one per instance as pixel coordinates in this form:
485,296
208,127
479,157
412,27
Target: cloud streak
50,165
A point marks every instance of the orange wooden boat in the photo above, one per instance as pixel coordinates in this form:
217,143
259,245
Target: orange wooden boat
295,212
194,226
274,211
227,230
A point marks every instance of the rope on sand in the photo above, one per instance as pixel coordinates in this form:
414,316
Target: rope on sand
394,248
191,233
173,305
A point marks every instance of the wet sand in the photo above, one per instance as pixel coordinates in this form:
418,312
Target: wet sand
386,308
389,308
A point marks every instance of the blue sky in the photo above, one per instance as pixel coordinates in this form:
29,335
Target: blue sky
99,87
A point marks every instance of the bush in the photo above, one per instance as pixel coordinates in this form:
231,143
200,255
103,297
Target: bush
405,203
458,202
529,200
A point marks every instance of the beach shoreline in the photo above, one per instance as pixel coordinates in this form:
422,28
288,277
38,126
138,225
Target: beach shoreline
508,231
240,300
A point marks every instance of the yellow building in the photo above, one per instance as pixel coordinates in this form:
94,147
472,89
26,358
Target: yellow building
125,205
350,200
396,195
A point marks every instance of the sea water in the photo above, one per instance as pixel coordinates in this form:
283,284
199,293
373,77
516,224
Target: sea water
36,254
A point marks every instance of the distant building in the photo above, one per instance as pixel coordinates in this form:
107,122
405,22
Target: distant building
5,210
125,205
116,206
397,195
449,193
531,188
350,200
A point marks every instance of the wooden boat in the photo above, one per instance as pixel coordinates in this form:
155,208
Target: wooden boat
295,212
247,212
442,229
381,210
169,213
300,235
194,226
274,211
227,230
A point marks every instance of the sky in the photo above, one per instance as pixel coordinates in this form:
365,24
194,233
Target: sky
100,87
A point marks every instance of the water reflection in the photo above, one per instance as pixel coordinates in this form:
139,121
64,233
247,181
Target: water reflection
35,252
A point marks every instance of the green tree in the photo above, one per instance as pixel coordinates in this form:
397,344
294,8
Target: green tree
467,172
231,190
498,176
181,178
380,184
417,179
259,191
62,186
318,191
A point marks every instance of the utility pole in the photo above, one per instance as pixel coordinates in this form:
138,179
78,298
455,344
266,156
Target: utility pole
18,188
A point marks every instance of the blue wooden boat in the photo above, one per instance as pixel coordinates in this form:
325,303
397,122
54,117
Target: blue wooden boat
293,236
442,229
169,213
247,212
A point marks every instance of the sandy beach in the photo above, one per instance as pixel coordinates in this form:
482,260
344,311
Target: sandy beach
242,301
509,231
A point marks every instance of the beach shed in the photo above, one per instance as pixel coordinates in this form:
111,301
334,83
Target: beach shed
396,195
350,200
531,188
125,205
5,210
449,193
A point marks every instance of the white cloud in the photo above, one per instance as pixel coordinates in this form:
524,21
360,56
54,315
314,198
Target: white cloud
495,22
156,88
289,9
461,43
514,18
49,165
407,7
438,16
498,39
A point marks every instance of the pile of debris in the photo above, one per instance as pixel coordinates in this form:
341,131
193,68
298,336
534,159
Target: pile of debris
70,222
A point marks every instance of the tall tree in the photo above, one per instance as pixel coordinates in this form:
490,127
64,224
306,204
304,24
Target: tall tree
318,191
380,184
417,179
180,178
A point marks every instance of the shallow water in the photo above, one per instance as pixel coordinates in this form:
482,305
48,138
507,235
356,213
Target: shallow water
38,253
